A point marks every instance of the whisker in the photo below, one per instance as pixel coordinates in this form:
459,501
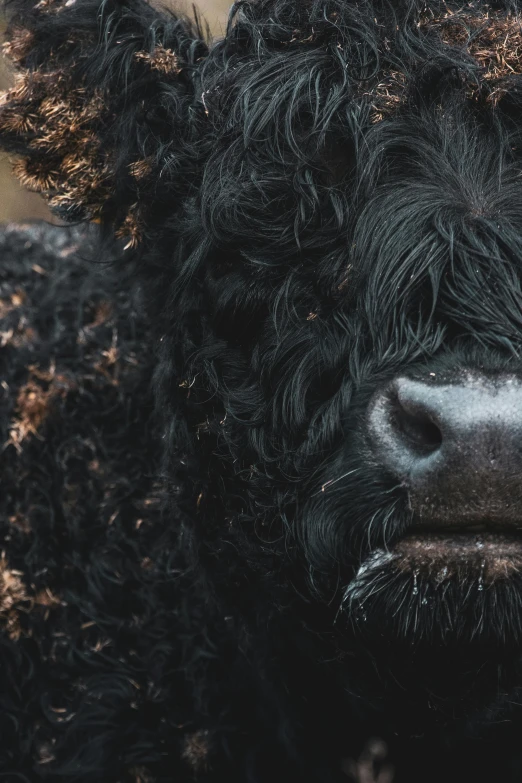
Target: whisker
334,481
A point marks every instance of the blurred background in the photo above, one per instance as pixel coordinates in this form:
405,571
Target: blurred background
17,204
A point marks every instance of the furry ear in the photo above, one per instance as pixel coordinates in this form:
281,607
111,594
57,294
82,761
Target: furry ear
104,112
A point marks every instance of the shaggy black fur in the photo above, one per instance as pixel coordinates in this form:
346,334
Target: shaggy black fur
329,196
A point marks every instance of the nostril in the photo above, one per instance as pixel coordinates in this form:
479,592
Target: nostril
417,430
412,429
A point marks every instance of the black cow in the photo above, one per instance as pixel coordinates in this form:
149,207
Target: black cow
261,425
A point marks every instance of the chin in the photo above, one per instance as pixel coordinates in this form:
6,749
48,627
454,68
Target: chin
437,619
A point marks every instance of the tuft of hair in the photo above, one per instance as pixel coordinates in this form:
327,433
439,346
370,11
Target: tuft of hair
103,113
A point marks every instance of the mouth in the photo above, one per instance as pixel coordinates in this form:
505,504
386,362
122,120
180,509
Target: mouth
460,551
455,586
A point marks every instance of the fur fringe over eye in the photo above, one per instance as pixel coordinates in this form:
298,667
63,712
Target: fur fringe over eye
119,116
101,112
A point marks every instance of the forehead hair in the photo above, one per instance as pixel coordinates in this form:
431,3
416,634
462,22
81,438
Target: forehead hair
443,178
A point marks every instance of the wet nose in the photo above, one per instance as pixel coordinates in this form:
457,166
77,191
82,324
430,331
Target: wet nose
453,441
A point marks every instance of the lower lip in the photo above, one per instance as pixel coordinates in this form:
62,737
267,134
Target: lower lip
496,555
